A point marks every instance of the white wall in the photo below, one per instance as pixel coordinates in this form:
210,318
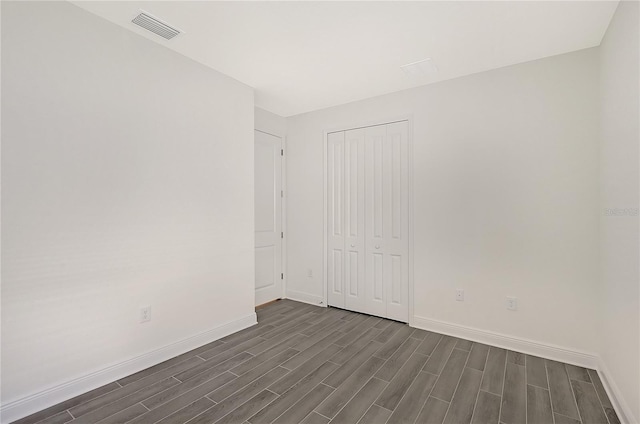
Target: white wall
127,180
505,197
620,201
270,122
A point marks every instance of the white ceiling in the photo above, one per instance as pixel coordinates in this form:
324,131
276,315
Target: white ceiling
303,56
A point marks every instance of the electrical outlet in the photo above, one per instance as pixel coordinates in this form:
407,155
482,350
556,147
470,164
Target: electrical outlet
512,303
459,295
310,273
145,314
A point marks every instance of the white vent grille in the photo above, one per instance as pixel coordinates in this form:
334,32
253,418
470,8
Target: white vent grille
155,25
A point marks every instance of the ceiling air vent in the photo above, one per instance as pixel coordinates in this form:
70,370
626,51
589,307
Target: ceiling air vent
155,25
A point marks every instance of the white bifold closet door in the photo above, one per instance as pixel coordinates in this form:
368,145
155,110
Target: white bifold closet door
367,220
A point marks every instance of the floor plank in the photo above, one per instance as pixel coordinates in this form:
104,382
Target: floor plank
464,400
515,395
265,369
68,404
414,399
197,380
478,356
237,399
440,355
62,417
375,415
353,348
577,373
538,405
360,403
433,412
398,386
115,395
128,414
188,412
335,402
562,398
293,395
183,400
429,344
125,402
450,375
345,370
463,344
536,372
604,398
487,409
589,406
389,348
249,408
562,419
303,370
516,357
315,418
306,405
397,360
493,378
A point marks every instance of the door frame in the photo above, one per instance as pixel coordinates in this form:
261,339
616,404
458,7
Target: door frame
283,211
409,120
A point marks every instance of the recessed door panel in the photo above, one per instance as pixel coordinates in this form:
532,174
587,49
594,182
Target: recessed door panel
352,274
336,272
396,185
396,279
377,262
377,181
265,163
266,259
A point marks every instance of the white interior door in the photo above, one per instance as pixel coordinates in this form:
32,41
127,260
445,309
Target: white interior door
368,220
268,217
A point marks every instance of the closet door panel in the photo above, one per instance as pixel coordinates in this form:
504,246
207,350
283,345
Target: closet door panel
375,199
335,219
354,160
397,220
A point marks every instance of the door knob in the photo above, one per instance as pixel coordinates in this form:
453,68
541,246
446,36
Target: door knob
353,245
377,246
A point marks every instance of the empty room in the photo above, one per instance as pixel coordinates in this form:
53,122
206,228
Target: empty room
355,212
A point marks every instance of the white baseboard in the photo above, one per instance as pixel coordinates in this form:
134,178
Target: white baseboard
305,298
615,395
556,353
27,405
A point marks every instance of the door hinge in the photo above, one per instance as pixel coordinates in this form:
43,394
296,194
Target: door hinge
282,235
281,152
282,276
281,193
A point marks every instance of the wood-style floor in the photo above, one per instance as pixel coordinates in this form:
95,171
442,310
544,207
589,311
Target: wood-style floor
305,364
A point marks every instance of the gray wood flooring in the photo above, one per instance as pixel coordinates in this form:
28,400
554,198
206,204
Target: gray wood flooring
311,365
